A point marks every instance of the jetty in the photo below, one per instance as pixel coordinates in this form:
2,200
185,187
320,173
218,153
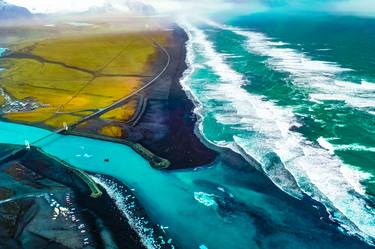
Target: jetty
86,178
67,129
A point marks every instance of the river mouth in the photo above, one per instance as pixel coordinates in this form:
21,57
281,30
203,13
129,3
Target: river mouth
212,198
219,197
37,191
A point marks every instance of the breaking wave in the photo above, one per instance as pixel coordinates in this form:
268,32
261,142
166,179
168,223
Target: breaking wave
342,147
320,77
126,204
262,130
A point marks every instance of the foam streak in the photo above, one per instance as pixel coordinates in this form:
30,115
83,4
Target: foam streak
317,171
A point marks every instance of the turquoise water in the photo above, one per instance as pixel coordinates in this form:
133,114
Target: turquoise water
11,134
335,100
268,94
222,206
294,101
2,50
327,80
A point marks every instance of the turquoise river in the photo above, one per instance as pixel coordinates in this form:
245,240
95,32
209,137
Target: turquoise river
298,103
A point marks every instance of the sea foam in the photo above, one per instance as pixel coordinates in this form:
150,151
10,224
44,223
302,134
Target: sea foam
320,78
126,205
317,171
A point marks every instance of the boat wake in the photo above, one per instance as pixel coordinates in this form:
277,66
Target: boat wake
262,130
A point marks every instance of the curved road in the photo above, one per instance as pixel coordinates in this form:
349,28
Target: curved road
85,177
128,97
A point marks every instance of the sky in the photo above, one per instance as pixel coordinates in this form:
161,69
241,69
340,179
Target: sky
43,6
163,6
359,7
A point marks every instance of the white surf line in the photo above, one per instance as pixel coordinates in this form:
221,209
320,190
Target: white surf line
353,147
318,172
351,173
20,197
320,77
127,206
342,147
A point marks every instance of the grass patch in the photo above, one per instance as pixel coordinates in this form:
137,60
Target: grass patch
78,74
123,113
59,120
110,54
112,131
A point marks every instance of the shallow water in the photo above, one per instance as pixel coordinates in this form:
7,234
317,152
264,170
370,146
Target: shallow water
222,206
253,98
290,111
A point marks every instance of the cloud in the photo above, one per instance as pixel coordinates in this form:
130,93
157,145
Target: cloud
356,7
49,6
201,7
197,7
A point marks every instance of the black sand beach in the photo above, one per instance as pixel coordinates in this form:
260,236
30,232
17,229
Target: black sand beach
164,123
168,123
165,127
39,196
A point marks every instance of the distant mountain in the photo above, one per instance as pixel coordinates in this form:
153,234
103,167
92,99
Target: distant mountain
122,6
10,11
140,7
106,8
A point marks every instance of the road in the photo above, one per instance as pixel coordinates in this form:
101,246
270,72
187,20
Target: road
122,101
85,177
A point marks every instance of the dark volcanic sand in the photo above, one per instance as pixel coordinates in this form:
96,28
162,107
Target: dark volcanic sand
166,127
26,222
173,137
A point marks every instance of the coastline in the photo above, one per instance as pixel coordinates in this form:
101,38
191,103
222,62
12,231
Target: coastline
165,122
238,158
186,125
169,117
41,183
166,126
181,123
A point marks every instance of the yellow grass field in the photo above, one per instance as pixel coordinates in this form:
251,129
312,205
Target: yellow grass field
112,131
122,113
111,54
72,76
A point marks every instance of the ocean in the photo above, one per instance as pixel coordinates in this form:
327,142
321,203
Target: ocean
225,205
288,98
297,94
